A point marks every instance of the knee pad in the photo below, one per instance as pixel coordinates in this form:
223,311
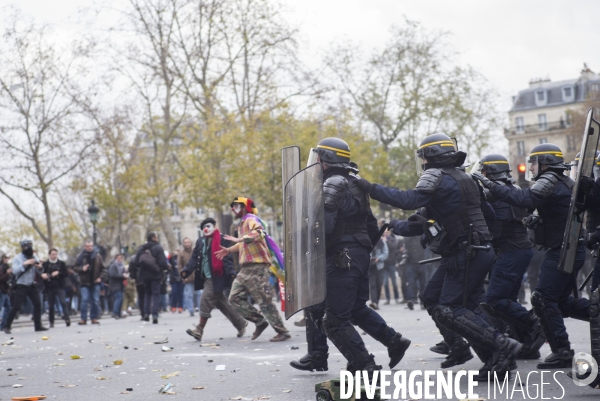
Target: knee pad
467,326
360,315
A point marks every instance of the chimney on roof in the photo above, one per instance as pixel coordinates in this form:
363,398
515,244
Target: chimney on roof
587,73
534,82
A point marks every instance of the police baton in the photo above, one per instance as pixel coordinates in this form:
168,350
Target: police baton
468,255
425,261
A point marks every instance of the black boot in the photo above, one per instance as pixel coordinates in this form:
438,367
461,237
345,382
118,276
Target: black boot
459,354
505,354
562,358
397,346
315,361
440,348
533,339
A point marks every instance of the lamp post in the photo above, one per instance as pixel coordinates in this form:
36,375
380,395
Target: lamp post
93,211
279,226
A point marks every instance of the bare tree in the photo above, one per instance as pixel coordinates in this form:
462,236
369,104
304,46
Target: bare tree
148,64
412,88
45,134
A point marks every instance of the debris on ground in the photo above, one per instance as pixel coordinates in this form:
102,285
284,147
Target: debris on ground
198,388
170,375
68,385
166,349
165,341
166,389
118,362
76,357
220,367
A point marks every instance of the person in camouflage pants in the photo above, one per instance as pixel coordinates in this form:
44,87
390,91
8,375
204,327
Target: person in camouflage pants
253,277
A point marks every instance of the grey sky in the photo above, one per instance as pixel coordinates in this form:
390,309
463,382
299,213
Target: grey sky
508,41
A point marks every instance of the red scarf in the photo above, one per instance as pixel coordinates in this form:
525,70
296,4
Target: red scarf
217,264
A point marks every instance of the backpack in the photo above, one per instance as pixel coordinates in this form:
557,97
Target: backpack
148,261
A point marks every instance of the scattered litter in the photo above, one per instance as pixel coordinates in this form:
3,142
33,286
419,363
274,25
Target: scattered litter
59,364
287,391
418,345
236,370
210,360
9,369
164,389
165,341
239,397
91,340
118,362
76,357
68,385
123,373
264,397
17,385
126,347
44,338
101,378
170,375
29,398
166,349
129,389
220,367
11,341
198,388
125,392
295,347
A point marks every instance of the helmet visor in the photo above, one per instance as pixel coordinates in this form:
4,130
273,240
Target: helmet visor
312,157
533,168
477,167
419,162
573,170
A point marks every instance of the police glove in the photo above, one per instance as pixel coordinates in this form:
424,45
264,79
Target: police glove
416,220
392,224
363,185
586,185
185,274
486,182
532,221
591,240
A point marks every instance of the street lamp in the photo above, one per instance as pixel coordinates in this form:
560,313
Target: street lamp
93,211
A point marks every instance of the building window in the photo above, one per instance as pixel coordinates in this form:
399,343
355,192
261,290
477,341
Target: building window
542,125
199,211
594,89
543,140
568,94
519,125
540,98
570,143
521,148
174,209
177,233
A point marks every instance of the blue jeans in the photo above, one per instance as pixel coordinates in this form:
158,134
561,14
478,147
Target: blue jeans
93,292
118,301
4,302
389,274
177,294
188,296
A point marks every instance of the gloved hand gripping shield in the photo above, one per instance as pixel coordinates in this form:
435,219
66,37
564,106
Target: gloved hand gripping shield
304,242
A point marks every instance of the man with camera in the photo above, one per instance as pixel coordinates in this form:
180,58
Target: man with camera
25,267
90,267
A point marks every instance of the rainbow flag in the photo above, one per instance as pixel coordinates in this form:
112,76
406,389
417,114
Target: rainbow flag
277,267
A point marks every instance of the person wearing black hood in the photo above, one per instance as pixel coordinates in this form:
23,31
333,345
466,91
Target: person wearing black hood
26,266
5,275
452,200
152,264
54,272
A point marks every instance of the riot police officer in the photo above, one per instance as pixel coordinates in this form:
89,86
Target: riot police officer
513,249
351,231
454,208
551,196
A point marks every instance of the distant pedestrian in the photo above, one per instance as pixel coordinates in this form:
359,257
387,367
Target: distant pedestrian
54,273
90,267
116,276
5,275
153,265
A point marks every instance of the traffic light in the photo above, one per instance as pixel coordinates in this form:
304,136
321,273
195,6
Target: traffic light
522,168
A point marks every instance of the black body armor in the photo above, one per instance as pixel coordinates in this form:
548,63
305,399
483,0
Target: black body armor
356,224
469,211
554,224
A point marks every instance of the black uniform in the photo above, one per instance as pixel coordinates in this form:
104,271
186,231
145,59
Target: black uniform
55,288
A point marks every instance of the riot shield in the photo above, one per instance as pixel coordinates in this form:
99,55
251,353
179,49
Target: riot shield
304,243
587,159
290,163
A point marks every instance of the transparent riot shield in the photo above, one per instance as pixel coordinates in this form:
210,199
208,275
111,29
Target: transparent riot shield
587,160
290,163
304,243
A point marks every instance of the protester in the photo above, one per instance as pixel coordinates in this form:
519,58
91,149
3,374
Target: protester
5,275
379,255
116,275
176,284
253,278
90,267
389,267
212,275
54,273
188,283
153,264
26,265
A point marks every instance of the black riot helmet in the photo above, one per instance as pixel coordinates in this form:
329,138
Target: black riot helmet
495,167
440,151
547,154
575,166
333,152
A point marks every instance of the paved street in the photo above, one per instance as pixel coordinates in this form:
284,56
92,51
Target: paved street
253,369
